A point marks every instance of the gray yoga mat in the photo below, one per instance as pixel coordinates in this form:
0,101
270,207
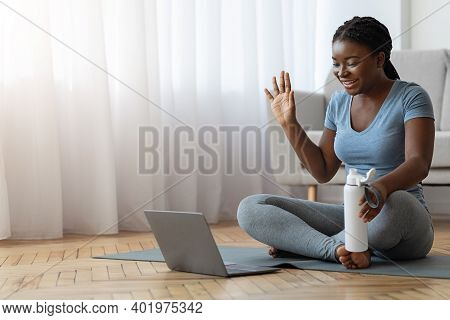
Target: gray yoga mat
429,267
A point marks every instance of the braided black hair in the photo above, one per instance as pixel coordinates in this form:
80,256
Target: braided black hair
371,33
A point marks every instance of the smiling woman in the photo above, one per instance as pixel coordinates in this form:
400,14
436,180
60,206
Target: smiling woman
377,121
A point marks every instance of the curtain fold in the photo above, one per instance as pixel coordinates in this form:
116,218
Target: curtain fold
78,83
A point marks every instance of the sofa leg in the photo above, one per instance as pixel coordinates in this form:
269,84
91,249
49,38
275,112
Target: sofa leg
312,192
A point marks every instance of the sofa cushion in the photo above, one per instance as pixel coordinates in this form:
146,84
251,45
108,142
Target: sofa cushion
445,119
441,156
427,68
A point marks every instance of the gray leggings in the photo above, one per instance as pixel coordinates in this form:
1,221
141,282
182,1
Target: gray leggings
402,230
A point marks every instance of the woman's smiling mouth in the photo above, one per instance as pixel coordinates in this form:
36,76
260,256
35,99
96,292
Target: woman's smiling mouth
348,83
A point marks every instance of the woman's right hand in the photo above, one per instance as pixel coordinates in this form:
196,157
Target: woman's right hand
282,101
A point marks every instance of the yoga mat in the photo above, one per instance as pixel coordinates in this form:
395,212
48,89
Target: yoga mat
429,267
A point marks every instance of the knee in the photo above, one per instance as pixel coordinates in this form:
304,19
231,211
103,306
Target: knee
398,197
390,226
247,211
397,202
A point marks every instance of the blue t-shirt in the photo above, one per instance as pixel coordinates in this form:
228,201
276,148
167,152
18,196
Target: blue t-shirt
382,144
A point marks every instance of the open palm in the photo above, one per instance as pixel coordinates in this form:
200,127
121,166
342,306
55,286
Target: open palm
282,100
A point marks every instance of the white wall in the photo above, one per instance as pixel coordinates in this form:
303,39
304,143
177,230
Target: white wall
432,32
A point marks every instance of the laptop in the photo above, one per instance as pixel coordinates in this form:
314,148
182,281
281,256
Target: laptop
187,245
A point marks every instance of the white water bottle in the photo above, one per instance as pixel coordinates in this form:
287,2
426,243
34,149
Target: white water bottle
355,229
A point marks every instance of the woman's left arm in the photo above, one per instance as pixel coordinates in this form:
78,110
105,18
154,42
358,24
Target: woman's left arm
419,145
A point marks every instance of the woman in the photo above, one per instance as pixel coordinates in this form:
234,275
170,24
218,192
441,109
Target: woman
376,121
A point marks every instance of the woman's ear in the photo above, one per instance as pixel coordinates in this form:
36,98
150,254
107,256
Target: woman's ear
381,57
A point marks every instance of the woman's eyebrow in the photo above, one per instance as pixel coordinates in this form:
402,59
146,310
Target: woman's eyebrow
346,58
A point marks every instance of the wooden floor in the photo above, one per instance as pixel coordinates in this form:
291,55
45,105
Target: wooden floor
64,269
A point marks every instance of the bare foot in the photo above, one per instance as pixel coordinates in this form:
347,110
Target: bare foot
278,253
273,252
353,260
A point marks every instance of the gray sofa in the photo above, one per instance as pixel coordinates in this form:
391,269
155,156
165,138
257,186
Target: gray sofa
428,68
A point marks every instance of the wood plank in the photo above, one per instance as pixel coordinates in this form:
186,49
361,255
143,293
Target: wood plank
83,275
214,289
49,280
131,270
122,247
147,244
11,286
100,273
135,246
84,252
66,278
146,268
115,272
264,284
27,259
179,292
122,296
232,288
56,256
246,285
160,293
142,295
98,251
70,254
197,291
279,282
110,249
12,260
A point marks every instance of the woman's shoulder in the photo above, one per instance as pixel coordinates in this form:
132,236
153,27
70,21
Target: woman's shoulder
410,90
415,100
338,99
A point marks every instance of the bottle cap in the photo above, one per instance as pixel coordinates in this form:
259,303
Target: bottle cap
353,178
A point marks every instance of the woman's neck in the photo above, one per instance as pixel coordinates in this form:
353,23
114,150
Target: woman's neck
378,90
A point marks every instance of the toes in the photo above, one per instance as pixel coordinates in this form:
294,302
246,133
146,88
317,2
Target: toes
273,251
341,251
349,265
361,259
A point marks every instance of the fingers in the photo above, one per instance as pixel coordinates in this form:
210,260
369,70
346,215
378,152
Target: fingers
366,214
364,209
362,200
268,95
276,91
282,84
291,100
288,82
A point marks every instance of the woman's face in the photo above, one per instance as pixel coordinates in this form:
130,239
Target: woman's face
355,67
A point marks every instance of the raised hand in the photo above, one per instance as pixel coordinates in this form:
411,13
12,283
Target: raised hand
282,101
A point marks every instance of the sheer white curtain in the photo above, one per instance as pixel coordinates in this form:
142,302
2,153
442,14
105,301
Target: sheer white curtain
78,79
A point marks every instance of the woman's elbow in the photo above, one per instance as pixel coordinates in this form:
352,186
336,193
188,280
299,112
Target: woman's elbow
323,179
423,167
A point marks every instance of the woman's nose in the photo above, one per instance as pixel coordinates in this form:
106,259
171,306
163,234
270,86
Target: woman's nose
342,71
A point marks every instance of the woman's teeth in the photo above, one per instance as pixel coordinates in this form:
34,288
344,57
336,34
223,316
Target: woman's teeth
348,83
